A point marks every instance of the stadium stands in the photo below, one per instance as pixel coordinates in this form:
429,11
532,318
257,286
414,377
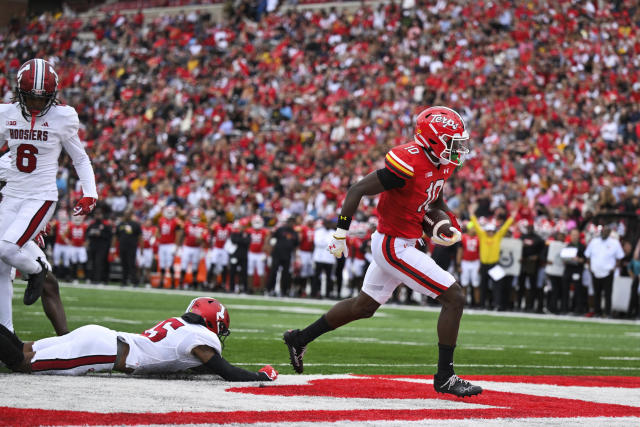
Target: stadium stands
276,114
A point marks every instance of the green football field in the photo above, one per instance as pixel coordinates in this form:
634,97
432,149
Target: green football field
397,340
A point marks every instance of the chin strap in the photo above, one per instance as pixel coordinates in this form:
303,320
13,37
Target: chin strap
34,114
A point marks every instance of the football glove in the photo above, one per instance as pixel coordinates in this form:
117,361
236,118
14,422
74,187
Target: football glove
447,241
39,239
338,245
271,373
454,220
84,206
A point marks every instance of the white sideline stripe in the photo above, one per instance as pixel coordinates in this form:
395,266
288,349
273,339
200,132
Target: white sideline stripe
618,358
21,284
551,352
458,365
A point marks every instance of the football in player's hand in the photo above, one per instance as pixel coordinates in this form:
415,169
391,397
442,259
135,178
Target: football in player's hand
436,223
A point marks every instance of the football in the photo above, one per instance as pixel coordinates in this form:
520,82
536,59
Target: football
436,223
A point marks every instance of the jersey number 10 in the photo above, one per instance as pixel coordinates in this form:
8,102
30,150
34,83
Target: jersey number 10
432,194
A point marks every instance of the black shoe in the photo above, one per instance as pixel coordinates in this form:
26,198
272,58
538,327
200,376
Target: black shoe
296,352
455,385
34,285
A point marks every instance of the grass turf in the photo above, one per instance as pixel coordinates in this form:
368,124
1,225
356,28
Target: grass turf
396,341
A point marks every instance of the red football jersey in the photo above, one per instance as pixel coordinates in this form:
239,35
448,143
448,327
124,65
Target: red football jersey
195,234
355,247
470,248
62,232
258,236
400,210
77,234
148,236
306,238
220,234
168,228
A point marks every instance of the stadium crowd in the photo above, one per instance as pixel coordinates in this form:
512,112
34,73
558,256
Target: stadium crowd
248,122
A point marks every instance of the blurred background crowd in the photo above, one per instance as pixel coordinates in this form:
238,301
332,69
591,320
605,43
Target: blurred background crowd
263,120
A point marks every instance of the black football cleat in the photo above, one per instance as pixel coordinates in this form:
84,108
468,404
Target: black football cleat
34,285
455,385
296,352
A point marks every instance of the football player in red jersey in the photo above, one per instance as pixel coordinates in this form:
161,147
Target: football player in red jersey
77,234
305,251
257,257
469,264
169,229
196,234
410,183
218,257
145,254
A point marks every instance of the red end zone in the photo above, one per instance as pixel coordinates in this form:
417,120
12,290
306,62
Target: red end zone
512,404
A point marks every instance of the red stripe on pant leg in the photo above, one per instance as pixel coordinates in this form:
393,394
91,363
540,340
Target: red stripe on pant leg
406,269
63,364
35,221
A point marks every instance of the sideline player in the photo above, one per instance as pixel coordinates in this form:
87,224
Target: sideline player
145,252
170,231
218,257
411,181
192,340
37,128
257,258
196,235
469,264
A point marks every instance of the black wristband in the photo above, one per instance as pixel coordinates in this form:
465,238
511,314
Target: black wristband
344,222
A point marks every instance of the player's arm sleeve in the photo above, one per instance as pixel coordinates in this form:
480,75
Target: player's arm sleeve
389,180
81,162
216,364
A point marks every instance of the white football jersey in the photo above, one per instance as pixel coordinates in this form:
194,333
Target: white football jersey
167,346
35,152
5,166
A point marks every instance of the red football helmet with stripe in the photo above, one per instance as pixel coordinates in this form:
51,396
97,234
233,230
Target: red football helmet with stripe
214,314
37,87
442,132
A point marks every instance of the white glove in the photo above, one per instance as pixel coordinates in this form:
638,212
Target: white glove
338,244
447,241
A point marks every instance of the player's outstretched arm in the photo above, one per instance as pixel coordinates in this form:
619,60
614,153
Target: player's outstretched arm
372,184
214,363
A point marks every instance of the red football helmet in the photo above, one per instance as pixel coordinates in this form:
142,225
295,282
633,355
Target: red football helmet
215,315
37,87
442,131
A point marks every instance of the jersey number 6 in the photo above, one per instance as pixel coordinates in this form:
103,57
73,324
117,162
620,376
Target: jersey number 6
26,158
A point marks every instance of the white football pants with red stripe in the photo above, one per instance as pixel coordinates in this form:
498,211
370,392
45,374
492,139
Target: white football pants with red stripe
396,260
90,348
